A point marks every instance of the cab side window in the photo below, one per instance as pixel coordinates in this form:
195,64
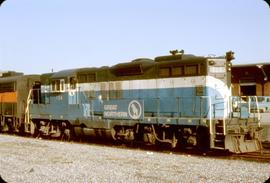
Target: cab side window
58,85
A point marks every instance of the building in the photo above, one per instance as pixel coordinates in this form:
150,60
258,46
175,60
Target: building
251,79
254,80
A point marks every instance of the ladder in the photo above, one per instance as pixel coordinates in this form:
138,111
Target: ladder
219,140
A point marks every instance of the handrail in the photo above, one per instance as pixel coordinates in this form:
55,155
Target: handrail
202,113
210,114
27,114
256,108
259,114
251,103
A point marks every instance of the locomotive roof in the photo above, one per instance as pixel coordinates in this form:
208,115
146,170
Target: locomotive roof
64,73
15,78
144,62
73,72
136,66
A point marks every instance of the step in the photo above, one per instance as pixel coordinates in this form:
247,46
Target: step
219,133
220,148
217,140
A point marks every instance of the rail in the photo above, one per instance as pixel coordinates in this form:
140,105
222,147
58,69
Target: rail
263,156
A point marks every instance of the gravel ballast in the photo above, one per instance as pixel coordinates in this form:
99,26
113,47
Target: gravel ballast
36,160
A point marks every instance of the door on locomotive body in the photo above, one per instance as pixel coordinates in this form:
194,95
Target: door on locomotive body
77,96
72,91
36,92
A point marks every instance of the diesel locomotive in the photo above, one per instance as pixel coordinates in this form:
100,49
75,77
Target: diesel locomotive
14,91
180,100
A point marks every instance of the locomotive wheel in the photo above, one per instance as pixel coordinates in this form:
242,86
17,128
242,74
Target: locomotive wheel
33,128
203,139
68,134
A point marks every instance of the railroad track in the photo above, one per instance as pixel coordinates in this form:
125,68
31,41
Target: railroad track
263,156
266,145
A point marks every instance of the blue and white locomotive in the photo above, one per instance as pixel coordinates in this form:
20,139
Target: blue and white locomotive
181,100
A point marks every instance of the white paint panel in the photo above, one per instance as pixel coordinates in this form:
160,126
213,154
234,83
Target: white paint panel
224,91
154,83
218,85
149,83
126,84
134,85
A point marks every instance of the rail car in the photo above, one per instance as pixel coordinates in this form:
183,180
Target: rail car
179,100
14,90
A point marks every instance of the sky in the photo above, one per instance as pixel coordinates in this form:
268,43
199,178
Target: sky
40,36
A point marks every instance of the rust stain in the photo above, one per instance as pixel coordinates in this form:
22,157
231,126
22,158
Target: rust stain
8,97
